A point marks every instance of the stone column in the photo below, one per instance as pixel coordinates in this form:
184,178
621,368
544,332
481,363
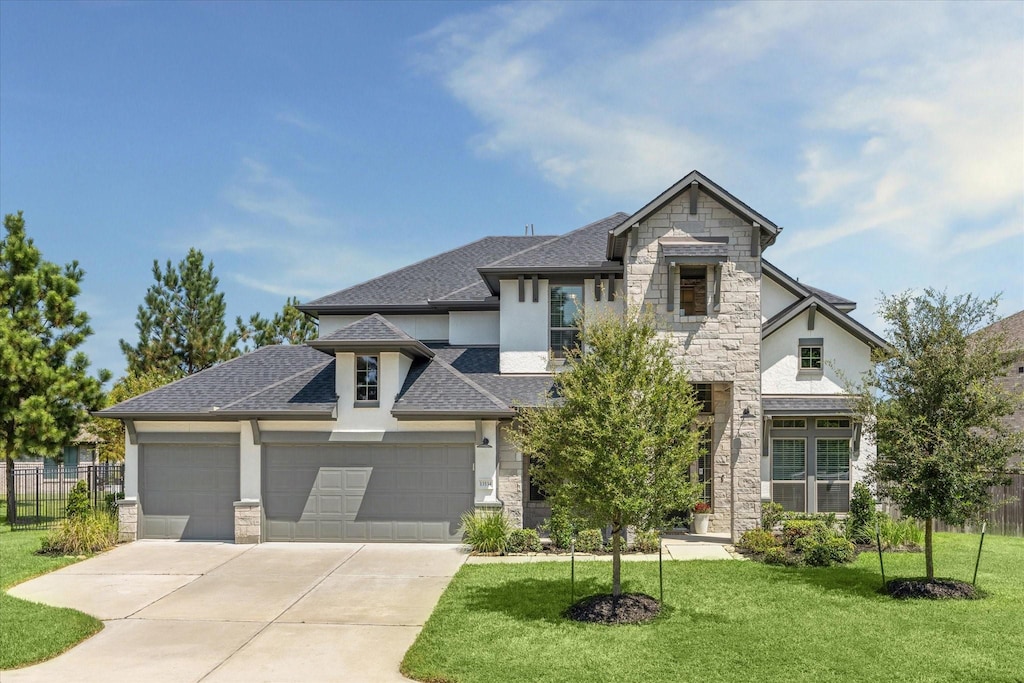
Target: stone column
248,522
127,520
510,477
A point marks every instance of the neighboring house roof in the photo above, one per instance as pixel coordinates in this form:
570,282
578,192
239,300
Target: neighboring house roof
806,405
861,332
1011,327
616,240
274,381
371,333
800,290
447,278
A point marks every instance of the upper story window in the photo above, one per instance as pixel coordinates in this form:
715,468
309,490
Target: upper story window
811,354
566,306
693,291
703,395
367,386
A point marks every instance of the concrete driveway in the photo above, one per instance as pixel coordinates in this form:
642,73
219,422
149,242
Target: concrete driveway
222,612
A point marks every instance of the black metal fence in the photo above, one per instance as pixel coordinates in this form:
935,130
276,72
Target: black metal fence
41,493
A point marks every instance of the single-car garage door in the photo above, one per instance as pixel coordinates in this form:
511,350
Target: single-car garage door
364,492
188,491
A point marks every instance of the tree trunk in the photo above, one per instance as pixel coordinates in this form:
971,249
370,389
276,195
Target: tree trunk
929,560
616,559
12,504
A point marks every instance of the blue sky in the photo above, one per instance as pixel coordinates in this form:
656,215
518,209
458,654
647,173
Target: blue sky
307,147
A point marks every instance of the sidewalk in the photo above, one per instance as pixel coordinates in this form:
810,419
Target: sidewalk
674,547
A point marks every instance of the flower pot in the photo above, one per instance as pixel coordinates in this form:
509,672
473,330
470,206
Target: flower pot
700,522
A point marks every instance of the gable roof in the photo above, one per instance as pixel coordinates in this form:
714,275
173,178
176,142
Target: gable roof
798,289
783,317
283,382
435,279
370,333
616,237
434,389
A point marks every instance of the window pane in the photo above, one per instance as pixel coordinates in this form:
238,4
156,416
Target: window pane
790,496
566,301
704,464
788,459
833,497
834,423
789,424
693,291
366,378
562,340
703,395
833,459
810,357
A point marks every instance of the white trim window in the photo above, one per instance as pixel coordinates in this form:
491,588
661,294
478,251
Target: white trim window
810,358
789,473
367,380
832,474
565,311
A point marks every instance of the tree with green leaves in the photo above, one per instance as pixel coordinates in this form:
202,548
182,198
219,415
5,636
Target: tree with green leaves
181,322
46,388
933,405
111,432
616,448
290,326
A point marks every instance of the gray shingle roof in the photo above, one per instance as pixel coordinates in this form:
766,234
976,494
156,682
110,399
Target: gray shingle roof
833,299
285,380
434,278
810,405
372,328
434,386
695,249
582,248
481,364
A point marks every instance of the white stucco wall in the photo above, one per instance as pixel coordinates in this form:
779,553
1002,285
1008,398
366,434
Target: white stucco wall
433,327
842,353
249,464
774,297
474,327
524,328
591,304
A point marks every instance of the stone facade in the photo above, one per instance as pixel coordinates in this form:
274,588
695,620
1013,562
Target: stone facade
248,521
723,347
127,520
510,477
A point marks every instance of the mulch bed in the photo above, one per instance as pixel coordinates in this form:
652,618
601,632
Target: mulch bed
936,589
629,608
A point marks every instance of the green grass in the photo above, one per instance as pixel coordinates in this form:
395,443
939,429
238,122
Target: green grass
733,621
30,632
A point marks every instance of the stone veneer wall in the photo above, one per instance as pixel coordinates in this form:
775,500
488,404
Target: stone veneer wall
724,347
510,477
127,520
248,522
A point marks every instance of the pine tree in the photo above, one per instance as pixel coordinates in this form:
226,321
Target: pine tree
181,323
45,389
290,326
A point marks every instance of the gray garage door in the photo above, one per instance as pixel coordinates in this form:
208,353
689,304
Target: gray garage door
188,491
360,492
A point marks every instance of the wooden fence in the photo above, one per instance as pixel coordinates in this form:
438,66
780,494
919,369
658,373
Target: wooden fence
1008,518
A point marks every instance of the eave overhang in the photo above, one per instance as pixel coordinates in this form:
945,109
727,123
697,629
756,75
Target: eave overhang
783,317
452,414
494,275
214,415
411,347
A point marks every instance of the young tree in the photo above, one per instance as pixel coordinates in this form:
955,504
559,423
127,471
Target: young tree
290,326
181,324
617,448
934,408
45,388
111,432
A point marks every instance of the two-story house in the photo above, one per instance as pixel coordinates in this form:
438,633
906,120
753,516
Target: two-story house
394,421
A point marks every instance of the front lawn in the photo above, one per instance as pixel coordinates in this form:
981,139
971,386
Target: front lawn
30,632
733,621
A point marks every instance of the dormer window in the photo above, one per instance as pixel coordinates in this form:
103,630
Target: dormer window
693,291
566,303
366,379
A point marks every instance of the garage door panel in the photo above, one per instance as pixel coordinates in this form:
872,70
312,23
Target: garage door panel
364,492
188,491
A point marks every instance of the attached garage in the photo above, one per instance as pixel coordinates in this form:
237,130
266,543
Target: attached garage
187,491
366,492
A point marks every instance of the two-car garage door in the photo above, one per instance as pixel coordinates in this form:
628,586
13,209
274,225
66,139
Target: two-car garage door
366,492
311,492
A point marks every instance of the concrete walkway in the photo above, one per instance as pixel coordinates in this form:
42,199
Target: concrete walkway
218,612
675,547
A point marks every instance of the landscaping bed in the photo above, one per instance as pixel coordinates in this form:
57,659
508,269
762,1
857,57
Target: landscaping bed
732,621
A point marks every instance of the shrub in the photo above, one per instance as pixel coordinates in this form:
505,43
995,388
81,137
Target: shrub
110,501
795,529
827,518
523,541
88,532
903,533
78,500
825,552
486,532
775,555
860,525
560,527
771,515
589,541
647,541
758,541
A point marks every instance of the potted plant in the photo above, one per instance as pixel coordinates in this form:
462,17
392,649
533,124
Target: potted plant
701,517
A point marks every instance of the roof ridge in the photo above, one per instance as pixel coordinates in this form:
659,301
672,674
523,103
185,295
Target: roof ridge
556,238
277,384
460,376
